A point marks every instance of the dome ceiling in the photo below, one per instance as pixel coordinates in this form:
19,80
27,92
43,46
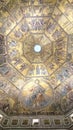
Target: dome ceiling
36,53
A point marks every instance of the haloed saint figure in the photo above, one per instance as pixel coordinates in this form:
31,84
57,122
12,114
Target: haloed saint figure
37,97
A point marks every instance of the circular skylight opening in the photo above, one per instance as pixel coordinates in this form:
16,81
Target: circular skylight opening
37,48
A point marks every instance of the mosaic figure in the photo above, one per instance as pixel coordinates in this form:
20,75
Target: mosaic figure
37,24
4,69
24,27
13,53
37,70
43,71
18,34
1,40
12,43
37,97
23,67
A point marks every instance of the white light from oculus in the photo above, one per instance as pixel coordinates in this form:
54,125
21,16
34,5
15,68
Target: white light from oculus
37,48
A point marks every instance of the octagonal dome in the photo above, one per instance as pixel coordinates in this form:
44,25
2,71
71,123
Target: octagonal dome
36,57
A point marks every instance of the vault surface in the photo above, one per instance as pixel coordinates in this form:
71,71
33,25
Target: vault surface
36,56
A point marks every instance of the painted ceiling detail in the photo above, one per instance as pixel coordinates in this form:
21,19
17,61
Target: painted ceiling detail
36,56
